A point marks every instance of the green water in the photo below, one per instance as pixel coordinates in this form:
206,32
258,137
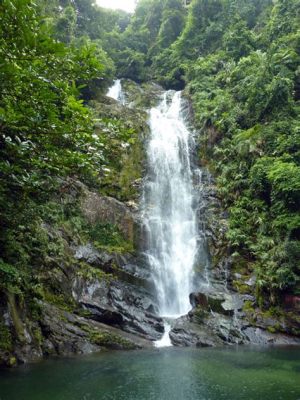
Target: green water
167,374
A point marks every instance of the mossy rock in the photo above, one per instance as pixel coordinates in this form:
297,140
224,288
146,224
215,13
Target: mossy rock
111,340
241,287
61,301
6,343
208,302
248,307
199,315
11,362
142,96
89,273
110,222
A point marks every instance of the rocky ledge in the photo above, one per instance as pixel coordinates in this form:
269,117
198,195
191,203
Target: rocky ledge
221,317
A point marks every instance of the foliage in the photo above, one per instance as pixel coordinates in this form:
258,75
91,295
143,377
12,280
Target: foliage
152,29
48,71
10,277
244,90
239,61
108,237
5,338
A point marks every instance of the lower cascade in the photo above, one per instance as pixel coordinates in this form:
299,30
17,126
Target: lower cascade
168,213
116,92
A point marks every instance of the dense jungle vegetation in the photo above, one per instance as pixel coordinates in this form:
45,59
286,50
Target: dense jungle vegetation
237,60
239,63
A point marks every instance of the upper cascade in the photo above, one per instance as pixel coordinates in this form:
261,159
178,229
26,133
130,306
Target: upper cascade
168,212
116,92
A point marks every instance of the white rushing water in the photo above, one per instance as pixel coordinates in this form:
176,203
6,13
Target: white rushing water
165,341
168,213
116,92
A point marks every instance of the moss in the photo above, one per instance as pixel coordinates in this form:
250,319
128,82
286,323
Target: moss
108,237
248,307
131,171
37,334
293,321
273,312
61,301
17,322
250,312
110,340
11,362
241,287
275,328
125,128
144,96
240,265
34,308
88,272
216,305
199,314
83,313
271,329
125,248
5,338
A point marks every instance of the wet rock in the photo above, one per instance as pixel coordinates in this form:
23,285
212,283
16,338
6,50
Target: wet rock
186,333
142,96
222,314
219,302
262,337
118,303
28,353
251,281
232,302
66,334
228,329
90,255
238,276
125,266
137,271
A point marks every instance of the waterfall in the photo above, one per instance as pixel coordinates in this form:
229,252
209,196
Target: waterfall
168,212
116,92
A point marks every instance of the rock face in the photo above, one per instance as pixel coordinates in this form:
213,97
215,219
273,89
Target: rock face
124,300
141,96
187,333
120,304
125,266
220,302
67,333
92,298
107,210
106,312
219,318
